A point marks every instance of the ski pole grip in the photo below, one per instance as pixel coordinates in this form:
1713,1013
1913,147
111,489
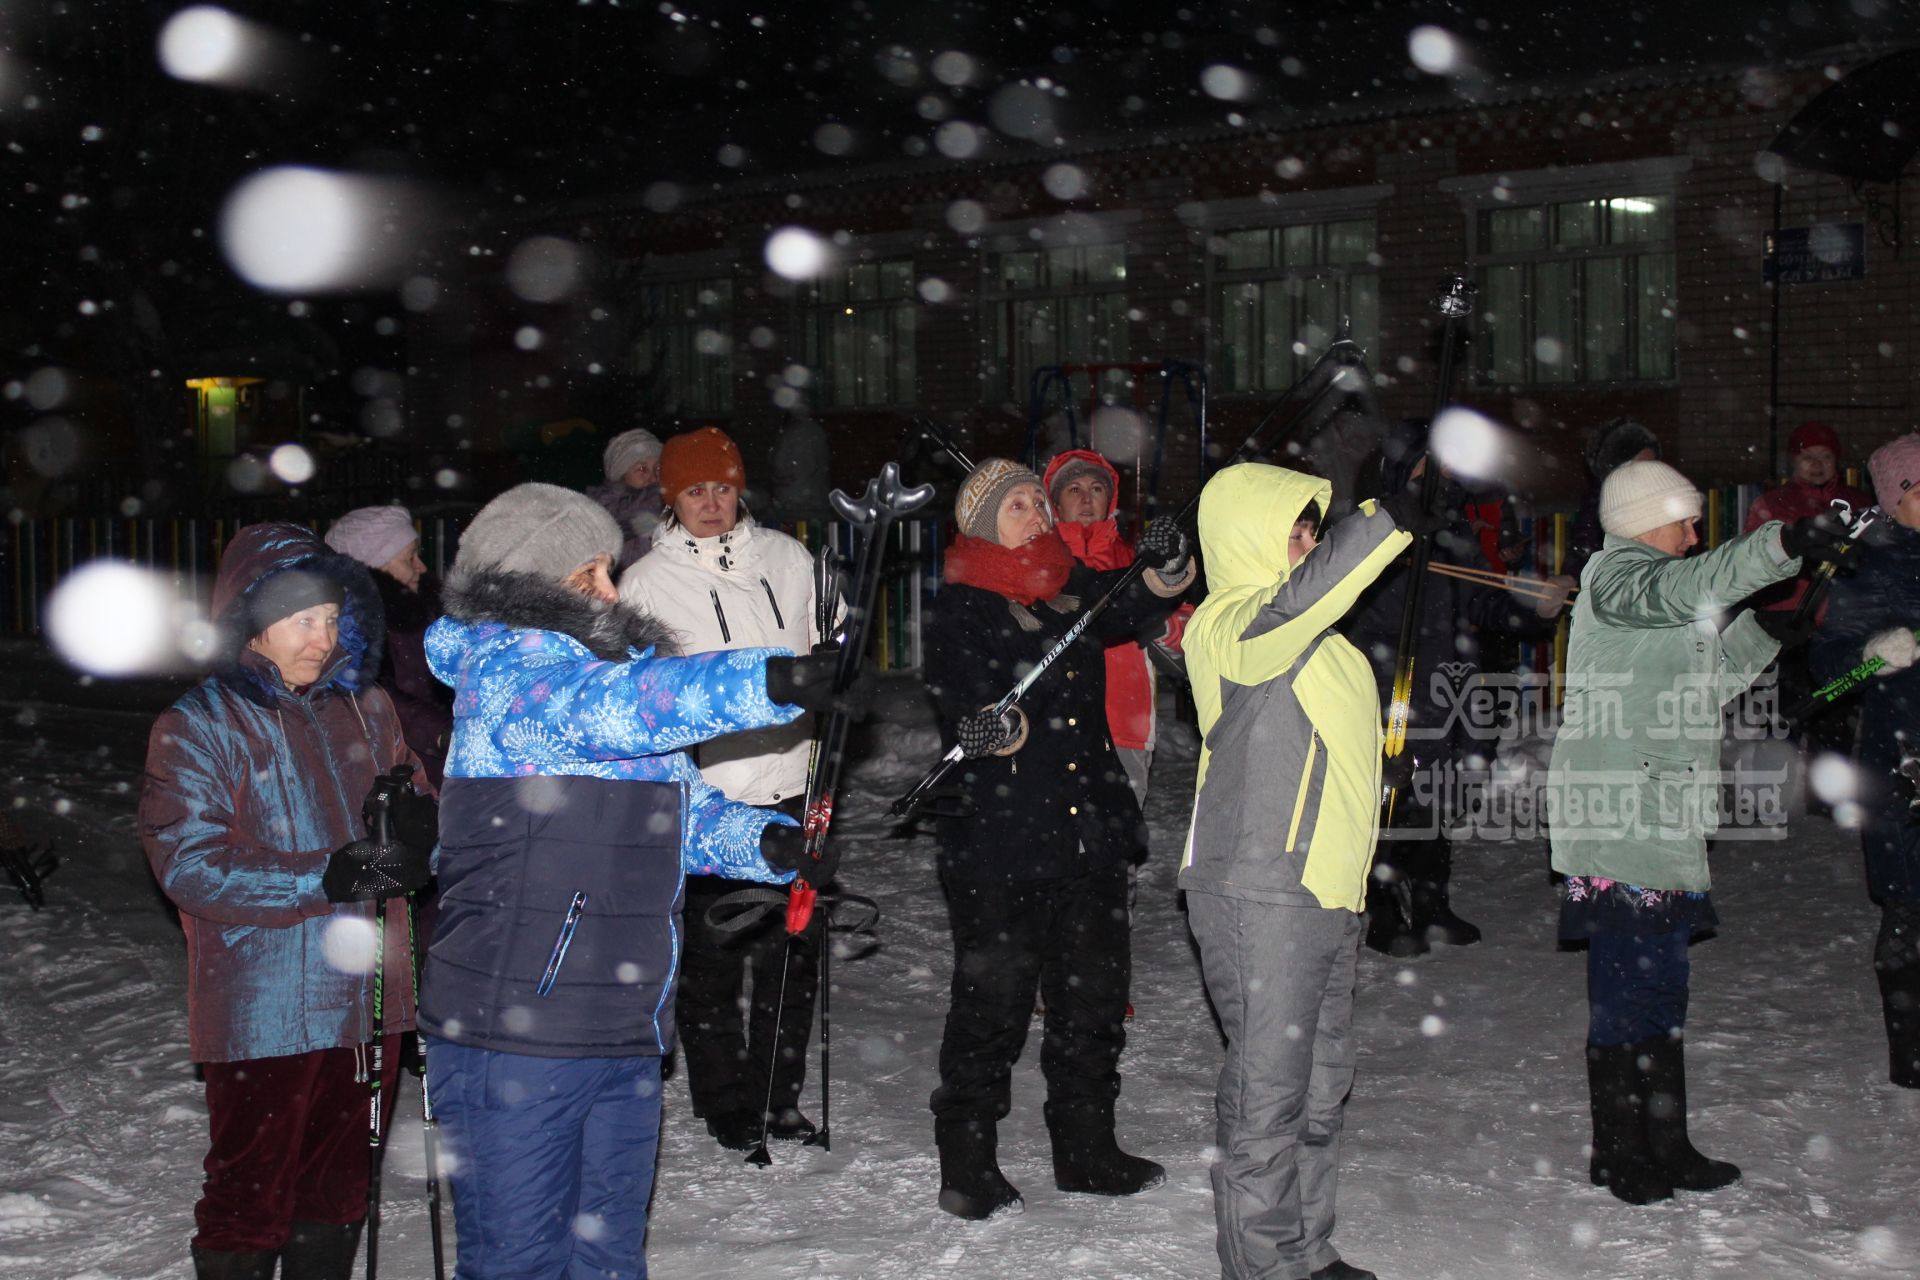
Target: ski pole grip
800,900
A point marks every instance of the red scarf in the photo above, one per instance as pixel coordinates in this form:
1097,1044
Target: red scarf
1097,545
1025,575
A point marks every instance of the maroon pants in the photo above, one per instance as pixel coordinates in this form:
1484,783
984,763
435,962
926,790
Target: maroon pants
289,1145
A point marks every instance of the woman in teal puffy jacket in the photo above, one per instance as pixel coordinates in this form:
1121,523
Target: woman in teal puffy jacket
1634,789
254,778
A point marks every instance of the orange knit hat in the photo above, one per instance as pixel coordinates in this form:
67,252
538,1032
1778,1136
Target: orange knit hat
705,456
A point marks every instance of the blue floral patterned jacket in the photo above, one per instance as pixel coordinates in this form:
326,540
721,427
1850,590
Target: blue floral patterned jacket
571,814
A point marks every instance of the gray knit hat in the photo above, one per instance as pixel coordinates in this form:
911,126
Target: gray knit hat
977,506
627,448
539,529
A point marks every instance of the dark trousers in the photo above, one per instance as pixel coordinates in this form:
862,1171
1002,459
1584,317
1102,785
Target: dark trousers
729,1052
289,1144
1636,986
1066,938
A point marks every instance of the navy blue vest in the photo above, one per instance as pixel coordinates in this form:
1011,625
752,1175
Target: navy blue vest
559,924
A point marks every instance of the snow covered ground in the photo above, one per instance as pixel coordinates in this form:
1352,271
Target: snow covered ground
1464,1154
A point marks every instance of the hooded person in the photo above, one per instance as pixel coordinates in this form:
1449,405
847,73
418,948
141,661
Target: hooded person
572,815
1035,875
1283,834
1409,898
1813,485
1609,446
631,494
1633,794
252,800
1084,489
1873,613
721,581
385,541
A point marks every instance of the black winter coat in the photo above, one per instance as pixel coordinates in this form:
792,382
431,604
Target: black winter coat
1060,805
1882,592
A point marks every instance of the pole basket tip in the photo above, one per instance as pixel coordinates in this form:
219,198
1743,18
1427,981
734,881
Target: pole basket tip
1454,298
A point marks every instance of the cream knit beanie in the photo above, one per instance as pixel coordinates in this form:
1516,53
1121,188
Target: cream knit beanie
1639,496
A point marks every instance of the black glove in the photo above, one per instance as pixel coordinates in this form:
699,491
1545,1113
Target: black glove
1164,548
1821,537
808,683
1396,772
1409,516
1779,624
364,871
785,849
982,732
413,819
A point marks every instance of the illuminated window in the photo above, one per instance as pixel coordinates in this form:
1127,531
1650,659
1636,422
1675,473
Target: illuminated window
1576,291
1282,293
856,331
1054,306
685,347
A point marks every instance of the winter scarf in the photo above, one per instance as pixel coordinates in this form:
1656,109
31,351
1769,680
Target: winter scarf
1097,545
1024,575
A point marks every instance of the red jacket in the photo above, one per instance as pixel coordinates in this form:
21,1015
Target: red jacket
1795,501
1130,683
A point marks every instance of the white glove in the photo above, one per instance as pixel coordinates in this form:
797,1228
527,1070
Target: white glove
1896,647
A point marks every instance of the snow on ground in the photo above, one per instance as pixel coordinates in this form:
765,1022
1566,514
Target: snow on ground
1464,1151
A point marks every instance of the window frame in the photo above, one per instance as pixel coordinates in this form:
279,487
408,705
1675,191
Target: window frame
815,319
1551,190
1001,379
678,272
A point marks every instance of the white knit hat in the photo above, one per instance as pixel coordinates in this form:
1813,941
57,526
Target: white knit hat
372,535
1639,496
627,448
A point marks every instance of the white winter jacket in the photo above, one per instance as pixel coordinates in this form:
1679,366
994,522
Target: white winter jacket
745,588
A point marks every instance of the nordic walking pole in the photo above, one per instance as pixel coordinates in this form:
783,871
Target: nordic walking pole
826,592
1835,689
873,515
429,1127
376,1067
1255,444
1454,302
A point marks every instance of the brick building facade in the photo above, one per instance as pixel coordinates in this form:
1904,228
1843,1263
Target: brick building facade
1617,233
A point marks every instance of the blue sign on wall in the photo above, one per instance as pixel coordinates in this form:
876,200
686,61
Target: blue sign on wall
1807,255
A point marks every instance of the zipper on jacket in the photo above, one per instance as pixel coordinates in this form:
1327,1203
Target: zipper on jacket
778,621
1306,781
561,943
726,636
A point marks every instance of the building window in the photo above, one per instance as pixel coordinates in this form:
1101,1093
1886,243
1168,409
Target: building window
1055,306
1579,291
1282,293
685,348
857,335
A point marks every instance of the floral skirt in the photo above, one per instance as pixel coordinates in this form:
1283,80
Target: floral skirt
1594,904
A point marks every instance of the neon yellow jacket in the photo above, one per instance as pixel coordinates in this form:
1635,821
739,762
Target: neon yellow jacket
1287,804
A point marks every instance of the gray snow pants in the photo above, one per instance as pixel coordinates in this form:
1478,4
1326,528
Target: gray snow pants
1282,981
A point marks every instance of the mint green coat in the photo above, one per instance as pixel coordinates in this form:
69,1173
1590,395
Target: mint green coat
1634,783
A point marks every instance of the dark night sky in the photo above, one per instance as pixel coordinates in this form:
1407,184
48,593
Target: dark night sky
112,173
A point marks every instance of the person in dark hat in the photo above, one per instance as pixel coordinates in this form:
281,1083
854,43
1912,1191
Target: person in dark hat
254,780
572,813
1036,875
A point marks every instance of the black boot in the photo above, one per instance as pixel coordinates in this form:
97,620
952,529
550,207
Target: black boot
1896,965
790,1124
735,1130
1623,1163
1086,1157
971,1184
1433,917
214,1264
1663,1075
1389,915
320,1251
